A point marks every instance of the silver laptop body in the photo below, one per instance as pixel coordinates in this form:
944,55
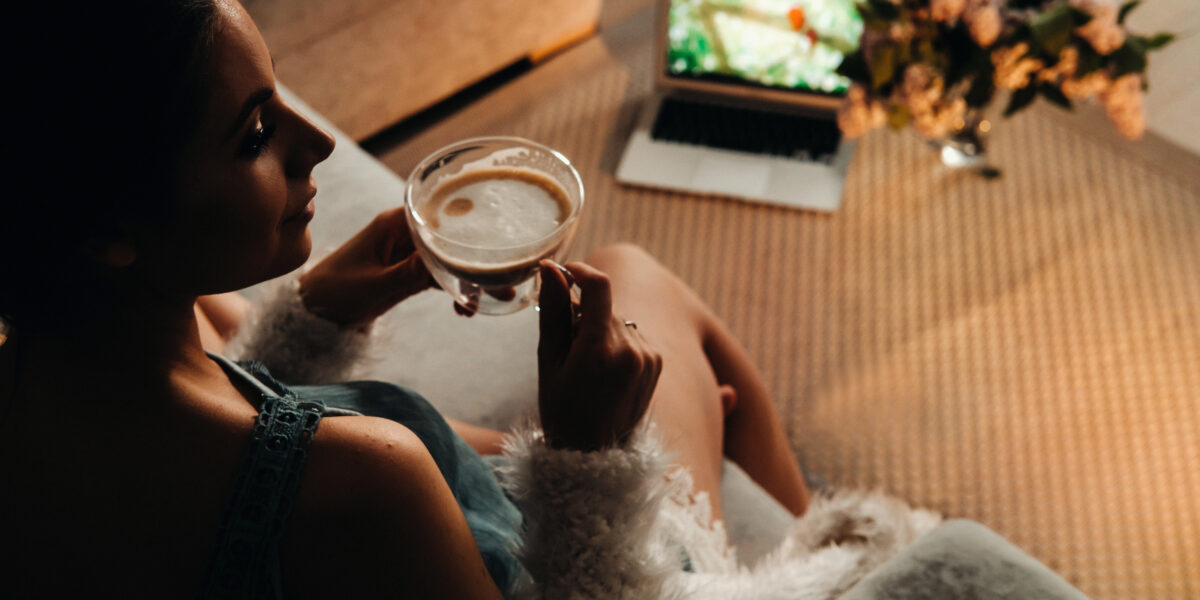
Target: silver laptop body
796,181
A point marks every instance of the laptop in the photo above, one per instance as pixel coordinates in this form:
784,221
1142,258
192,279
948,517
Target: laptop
745,103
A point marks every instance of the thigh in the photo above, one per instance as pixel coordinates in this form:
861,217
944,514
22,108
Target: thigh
224,311
686,405
210,338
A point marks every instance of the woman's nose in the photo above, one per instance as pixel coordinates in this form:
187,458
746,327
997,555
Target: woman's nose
312,146
324,142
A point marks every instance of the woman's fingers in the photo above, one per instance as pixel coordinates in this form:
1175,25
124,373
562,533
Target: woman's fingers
554,315
397,243
595,305
471,306
408,277
504,294
609,374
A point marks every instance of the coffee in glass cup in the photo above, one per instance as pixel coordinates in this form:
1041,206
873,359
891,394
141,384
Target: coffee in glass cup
485,211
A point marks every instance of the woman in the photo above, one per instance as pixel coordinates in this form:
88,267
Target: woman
167,169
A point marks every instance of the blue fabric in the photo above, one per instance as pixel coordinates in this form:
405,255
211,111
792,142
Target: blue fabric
244,562
494,521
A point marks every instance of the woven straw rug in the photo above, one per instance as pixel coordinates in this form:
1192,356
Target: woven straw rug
1024,351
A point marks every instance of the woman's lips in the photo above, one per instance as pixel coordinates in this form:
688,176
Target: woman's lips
305,214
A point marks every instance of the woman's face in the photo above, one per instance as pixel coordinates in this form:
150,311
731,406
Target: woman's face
244,181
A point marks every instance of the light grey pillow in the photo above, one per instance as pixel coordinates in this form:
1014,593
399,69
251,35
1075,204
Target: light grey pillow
963,559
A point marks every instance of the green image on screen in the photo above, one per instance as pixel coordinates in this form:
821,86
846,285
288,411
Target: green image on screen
791,44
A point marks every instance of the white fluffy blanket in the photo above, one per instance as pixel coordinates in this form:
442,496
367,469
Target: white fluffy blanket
621,524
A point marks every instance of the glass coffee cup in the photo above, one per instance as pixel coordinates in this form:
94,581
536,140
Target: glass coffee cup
484,211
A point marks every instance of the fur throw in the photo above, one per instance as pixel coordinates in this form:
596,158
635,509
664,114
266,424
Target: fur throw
296,346
620,524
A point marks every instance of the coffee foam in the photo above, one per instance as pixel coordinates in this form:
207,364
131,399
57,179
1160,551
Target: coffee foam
496,207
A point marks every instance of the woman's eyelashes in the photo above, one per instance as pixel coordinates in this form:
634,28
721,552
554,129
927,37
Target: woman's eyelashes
258,140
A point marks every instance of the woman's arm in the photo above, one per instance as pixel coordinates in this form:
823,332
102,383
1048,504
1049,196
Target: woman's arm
588,485
375,519
590,518
485,441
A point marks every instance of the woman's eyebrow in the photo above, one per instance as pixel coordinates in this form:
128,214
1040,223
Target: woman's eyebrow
248,107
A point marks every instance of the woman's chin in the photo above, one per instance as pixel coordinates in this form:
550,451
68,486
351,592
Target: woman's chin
292,255
300,251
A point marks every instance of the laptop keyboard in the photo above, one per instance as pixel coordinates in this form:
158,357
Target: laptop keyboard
747,130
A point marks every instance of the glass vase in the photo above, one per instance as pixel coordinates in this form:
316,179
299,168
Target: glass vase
966,146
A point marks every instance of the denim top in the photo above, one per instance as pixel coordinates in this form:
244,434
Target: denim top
245,559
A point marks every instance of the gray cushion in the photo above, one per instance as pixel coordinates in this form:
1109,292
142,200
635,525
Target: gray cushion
963,559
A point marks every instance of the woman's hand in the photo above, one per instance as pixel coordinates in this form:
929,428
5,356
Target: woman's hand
595,374
368,275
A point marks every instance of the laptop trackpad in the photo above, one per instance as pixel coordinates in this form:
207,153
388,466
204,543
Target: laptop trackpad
731,176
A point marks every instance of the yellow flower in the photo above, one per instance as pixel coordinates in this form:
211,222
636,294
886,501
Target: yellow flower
1068,63
1102,32
856,116
1092,83
1013,67
1123,103
983,21
945,11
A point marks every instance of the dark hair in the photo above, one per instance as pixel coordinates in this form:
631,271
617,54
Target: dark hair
106,95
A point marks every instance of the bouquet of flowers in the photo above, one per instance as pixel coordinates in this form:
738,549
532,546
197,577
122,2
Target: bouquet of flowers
927,63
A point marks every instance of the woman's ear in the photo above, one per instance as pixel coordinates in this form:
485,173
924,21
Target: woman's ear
114,254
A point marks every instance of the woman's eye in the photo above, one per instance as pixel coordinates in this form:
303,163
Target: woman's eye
258,140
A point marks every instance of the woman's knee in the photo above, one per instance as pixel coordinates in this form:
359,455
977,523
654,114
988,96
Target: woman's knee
637,277
632,268
622,257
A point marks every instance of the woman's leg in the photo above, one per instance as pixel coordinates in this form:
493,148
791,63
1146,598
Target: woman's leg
710,400
210,338
225,312
754,435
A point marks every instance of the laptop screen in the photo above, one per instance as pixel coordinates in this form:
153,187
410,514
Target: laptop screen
777,44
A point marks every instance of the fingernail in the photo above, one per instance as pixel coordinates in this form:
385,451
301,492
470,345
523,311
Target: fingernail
564,271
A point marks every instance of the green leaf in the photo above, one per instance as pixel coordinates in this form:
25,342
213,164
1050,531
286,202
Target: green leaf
1159,41
904,53
1079,18
1020,99
1021,33
1055,95
898,117
982,90
1052,29
854,67
884,9
1126,9
883,66
876,24
925,52
1129,58
1089,60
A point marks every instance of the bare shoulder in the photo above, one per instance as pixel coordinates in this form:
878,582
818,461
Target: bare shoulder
363,453
375,517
